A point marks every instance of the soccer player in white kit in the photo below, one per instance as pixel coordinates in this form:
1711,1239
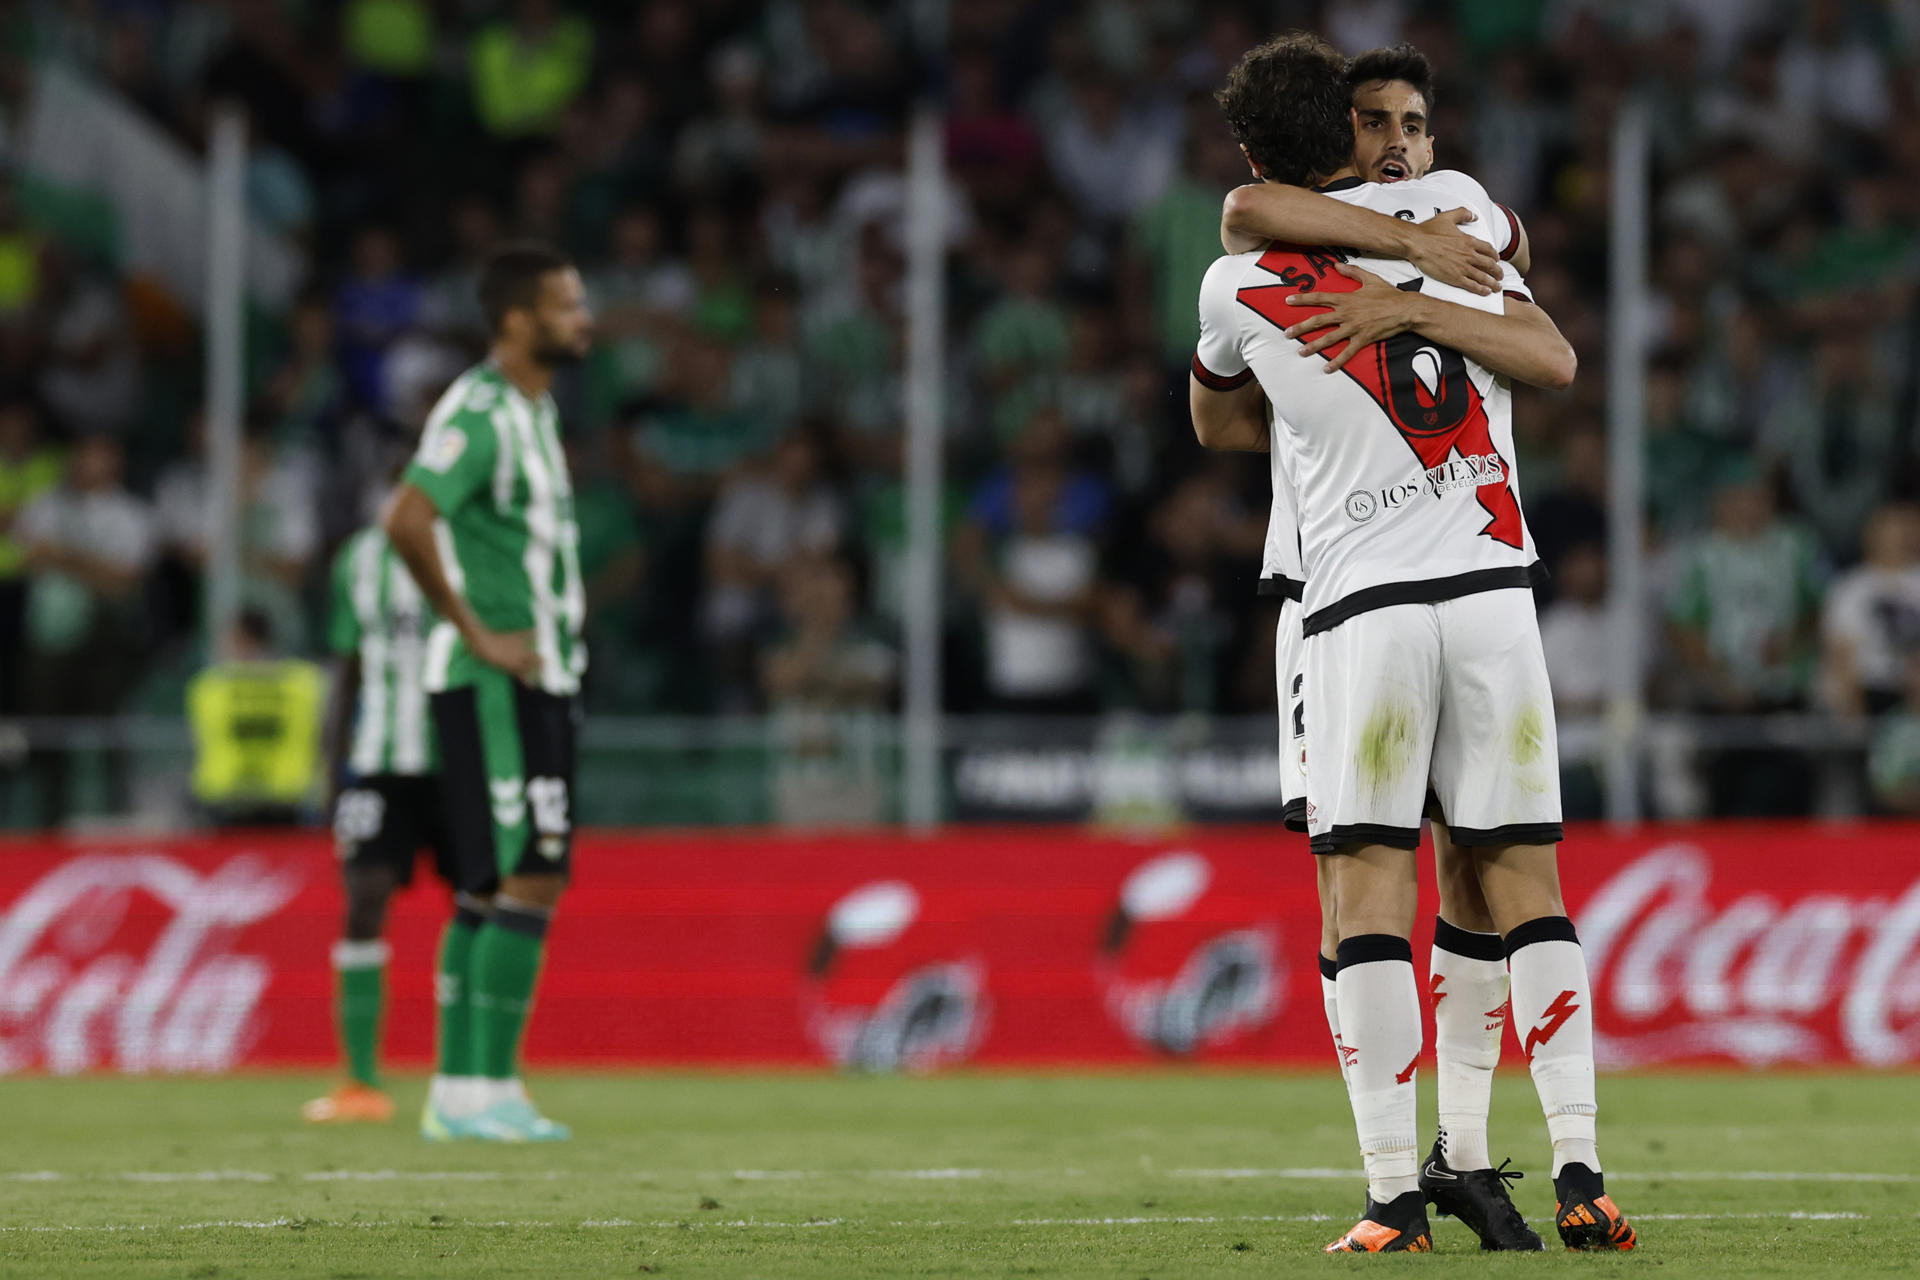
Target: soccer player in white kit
1423,660
1392,100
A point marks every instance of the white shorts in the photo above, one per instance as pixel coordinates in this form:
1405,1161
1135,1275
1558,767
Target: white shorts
1288,650
1452,695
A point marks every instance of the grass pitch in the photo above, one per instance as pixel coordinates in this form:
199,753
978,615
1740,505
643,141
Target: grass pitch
1170,1174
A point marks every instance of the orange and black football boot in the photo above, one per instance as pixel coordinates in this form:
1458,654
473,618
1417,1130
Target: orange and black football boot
1585,1213
1398,1226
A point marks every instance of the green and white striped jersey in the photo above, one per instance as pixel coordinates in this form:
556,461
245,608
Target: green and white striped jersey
491,461
378,612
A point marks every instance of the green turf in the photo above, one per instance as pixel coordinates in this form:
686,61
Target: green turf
808,1175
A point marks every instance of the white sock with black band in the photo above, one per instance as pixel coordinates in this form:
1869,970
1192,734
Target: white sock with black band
1380,1032
1553,1016
1467,990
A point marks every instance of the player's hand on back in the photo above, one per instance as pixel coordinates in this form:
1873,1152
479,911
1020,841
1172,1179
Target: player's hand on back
1443,250
1372,313
511,651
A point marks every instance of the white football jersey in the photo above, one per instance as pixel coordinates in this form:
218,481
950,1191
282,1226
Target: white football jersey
1403,462
1281,573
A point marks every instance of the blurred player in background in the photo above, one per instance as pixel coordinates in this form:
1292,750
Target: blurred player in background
381,745
1392,103
484,520
1423,668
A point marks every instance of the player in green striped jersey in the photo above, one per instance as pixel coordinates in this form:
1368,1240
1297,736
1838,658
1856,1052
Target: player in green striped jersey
484,521
382,751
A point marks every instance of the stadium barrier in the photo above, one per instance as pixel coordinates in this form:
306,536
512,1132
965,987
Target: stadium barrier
1754,944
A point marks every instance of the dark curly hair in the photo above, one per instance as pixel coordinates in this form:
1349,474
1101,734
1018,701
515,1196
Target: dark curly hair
1289,104
1395,62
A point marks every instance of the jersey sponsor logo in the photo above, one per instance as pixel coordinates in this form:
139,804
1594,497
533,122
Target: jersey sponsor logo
509,801
1362,506
1422,387
444,449
1557,1015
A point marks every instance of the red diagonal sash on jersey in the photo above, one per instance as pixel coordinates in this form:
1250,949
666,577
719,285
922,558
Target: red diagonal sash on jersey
1421,386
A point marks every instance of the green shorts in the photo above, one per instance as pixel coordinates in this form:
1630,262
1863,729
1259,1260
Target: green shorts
507,765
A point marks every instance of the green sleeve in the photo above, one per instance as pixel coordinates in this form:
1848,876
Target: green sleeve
1689,607
343,623
456,457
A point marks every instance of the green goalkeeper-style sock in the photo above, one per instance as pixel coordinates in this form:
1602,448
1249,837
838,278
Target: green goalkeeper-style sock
360,998
506,965
453,988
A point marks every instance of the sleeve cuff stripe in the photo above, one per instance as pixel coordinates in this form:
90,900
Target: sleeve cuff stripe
1513,233
1216,382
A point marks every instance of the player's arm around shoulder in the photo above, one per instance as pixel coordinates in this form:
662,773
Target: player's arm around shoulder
1228,408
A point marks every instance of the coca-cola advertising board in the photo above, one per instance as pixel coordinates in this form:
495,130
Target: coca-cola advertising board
1753,944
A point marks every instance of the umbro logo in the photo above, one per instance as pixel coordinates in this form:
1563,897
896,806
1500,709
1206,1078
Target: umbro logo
509,801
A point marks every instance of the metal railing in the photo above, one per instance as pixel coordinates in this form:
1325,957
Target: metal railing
850,770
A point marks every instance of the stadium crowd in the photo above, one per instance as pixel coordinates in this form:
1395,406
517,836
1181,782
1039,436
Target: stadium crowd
728,175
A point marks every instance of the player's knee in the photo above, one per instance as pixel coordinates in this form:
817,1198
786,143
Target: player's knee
368,892
534,890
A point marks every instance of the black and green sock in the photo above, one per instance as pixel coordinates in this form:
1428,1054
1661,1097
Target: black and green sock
505,969
360,998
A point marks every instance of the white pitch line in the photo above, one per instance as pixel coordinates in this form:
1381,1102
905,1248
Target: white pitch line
926,1175
760,1224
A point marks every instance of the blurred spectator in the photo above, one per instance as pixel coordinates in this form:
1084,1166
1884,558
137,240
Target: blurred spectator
1110,156
1871,628
768,377
719,151
1029,553
1171,607
1683,463
763,520
90,377
824,660
29,467
279,530
306,395
1832,69
374,305
1576,634
1573,513
1745,602
824,679
1893,761
450,303
1840,435
88,544
528,66
1743,615
390,37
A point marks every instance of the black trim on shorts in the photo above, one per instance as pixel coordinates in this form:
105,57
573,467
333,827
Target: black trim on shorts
1329,967
1333,841
1425,591
1370,948
1512,833
1541,929
1220,381
1465,942
1279,584
1294,816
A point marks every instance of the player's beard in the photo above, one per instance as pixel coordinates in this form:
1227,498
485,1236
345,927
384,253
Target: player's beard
552,353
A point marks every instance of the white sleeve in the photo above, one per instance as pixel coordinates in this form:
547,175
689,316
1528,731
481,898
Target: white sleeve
1217,362
1846,614
1492,222
1513,284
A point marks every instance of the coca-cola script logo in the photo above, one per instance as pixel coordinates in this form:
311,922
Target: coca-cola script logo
1760,979
91,975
